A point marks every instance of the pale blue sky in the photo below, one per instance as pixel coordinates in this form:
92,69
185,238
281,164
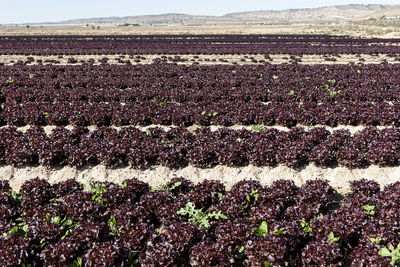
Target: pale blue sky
32,11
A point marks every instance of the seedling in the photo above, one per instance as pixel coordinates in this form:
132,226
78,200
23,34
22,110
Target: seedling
262,230
77,263
148,132
167,143
198,216
240,140
57,220
46,115
240,252
333,81
392,252
112,223
10,80
96,189
132,258
66,224
160,102
369,210
332,238
291,93
16,197
124,185
259,127
306,227
22,229
279,231
252,196
375,240
164,187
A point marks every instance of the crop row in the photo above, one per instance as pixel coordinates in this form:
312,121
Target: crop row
178,147
203,114
293,83
182,224
203,95
199,44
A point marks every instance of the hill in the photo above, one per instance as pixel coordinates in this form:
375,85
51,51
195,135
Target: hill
322,15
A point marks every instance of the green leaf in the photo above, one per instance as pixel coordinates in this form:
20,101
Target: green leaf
198,217
279,231
65,235
332,238
16,197
241,249
267,264
48,217
384,252
306,227
174,186
262,230
259,127
369,209
375,240
11,232
79,262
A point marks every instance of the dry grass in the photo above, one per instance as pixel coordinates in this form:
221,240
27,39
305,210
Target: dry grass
345,29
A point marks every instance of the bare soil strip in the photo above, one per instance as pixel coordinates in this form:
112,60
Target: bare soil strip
353,129
338,177
249,59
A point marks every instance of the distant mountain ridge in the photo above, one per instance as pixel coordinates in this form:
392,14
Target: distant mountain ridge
329,14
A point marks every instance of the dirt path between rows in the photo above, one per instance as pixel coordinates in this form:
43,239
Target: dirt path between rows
338,177
245,59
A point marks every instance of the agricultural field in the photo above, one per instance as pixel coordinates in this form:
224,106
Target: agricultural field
199,150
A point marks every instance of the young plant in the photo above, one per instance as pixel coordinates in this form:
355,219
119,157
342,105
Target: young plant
392,252
112,223
306,227
253,196
96,189
369,210
21,229
77,263
291,93
16,197
132,258
165,188
376,240
199,217
262,230
66,224
332,238
279,231
258,127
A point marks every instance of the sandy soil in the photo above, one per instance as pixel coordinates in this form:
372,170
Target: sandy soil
338,177
353,129
382,31
248,59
